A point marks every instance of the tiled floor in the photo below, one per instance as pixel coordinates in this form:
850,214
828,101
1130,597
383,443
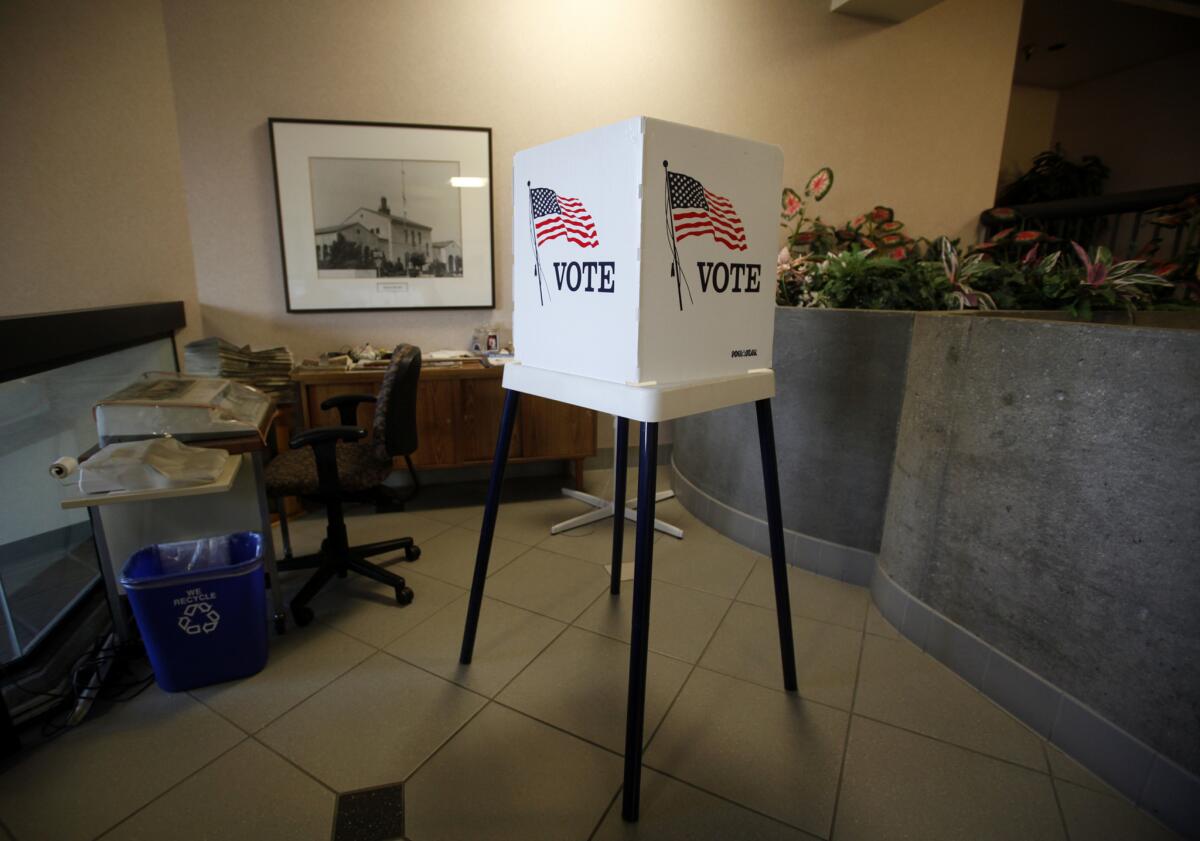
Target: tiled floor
882,742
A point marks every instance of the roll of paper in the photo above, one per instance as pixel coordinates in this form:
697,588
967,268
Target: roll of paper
63,467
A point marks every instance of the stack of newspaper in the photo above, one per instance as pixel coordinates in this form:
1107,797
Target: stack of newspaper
267,369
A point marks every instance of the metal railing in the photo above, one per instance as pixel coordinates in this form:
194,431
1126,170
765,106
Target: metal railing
1122,221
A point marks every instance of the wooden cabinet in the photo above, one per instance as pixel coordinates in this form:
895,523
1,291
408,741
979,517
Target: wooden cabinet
458,416
481,408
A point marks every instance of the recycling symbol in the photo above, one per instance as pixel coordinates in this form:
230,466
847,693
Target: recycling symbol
199,618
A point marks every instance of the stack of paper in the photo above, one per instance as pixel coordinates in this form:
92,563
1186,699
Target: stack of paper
266,369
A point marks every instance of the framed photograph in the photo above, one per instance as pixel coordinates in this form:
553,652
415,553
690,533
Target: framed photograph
383,216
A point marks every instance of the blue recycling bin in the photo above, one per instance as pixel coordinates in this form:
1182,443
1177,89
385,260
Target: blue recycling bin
201,607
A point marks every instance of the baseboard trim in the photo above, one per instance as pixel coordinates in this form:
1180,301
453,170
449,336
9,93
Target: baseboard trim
845,563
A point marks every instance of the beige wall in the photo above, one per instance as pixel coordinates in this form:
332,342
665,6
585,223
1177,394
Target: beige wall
91,193
910,115
1029,129
1143,123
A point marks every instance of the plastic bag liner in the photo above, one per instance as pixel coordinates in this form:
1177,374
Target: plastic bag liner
153,463
165,564
201,608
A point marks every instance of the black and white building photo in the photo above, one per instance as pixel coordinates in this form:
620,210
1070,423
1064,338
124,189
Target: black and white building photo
386,218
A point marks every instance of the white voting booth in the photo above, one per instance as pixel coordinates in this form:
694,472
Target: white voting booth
644,254
644,286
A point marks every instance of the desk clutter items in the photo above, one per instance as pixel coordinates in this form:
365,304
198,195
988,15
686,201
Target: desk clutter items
201,608
346,358
149,464
186,407
446,358
491,338
644,252
266,369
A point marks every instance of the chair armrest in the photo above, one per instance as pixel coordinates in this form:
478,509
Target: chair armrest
347,405
326,434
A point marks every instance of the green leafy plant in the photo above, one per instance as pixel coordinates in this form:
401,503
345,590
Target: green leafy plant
1110,283
1054,176
961,274
871,262
1181,221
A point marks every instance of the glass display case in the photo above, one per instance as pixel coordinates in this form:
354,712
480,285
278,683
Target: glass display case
47,554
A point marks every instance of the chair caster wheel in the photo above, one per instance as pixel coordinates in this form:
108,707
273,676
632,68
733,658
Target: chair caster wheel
411,553
404,595
302,615
280,623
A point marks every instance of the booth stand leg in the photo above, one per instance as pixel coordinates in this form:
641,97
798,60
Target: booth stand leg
488,528
620,456
643,559
783,607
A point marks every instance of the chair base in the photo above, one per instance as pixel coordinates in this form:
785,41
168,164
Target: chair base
331,561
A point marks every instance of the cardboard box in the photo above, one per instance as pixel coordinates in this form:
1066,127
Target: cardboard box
645,251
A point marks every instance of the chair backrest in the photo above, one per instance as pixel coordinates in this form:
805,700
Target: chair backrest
395,428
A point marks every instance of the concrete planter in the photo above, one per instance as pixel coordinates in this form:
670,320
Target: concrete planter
1044,498
1020,492
840,378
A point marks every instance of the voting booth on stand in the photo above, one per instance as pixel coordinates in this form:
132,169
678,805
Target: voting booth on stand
643,286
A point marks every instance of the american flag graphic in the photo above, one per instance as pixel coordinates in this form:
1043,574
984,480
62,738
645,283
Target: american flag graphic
559,216
697,211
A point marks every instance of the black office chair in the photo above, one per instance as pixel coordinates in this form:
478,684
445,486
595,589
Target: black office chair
335,465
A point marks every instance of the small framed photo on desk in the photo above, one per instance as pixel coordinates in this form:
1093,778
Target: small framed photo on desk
383,216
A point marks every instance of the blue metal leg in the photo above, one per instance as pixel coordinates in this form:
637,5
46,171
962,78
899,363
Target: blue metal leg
643,559
783,607
620,454
507,417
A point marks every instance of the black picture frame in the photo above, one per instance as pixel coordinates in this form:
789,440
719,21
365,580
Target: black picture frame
454,274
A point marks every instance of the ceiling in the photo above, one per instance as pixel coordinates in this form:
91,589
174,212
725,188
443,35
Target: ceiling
1099,37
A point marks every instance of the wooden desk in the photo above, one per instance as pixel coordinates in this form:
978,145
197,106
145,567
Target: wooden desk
458,413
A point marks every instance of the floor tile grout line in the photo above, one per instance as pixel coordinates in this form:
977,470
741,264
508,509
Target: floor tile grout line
171,788
496,700
547,615
395,657
532,659
684,682
1124,801
322,687
692,667
488,701
558,727
449,738
604,814
726,598
666,713
731,801
837,794
741,584
301,769
221,715
806,698
974,690
432,673
1062,815
675,657
940,740
403,633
